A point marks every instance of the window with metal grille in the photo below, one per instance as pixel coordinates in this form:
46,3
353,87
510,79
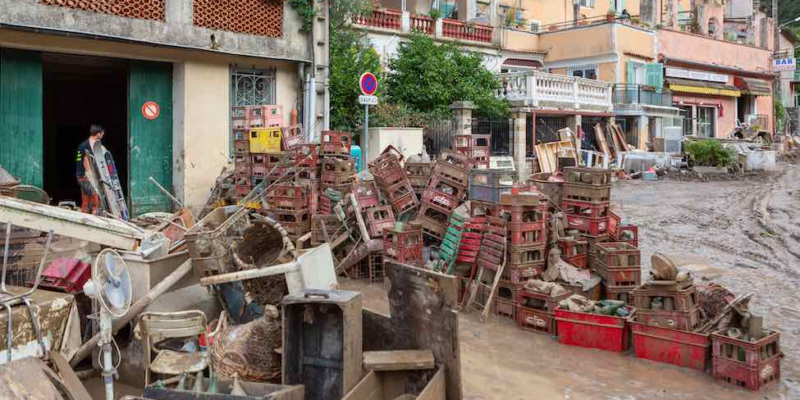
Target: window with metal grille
252,87
583,71
586,3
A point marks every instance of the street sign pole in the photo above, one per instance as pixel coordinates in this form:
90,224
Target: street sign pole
365,150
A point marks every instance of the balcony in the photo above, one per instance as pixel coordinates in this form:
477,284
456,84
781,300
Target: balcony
642,94
544,90
444,28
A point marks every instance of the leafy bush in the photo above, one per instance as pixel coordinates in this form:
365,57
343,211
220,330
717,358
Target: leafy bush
428,77
710,153
399,116
351,56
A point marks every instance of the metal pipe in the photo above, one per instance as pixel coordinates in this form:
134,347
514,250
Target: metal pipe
5,259
167,193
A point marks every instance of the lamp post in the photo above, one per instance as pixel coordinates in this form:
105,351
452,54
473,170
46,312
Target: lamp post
788,23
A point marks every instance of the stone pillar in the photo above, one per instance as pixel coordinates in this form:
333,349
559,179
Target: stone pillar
518,131
574,123
643,129
462,114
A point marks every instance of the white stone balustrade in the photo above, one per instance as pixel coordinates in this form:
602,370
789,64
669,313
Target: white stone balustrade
541,89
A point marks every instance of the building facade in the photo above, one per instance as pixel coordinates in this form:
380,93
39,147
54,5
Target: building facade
66,65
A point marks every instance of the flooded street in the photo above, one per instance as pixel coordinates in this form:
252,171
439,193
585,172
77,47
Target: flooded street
743,234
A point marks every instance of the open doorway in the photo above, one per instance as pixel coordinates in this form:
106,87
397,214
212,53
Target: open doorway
79,91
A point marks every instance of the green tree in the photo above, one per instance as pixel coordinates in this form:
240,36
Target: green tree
428,77
351,55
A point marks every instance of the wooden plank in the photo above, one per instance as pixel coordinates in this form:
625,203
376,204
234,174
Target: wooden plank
398,360
614,140
621,136
601,140
436,387
71,380
369,388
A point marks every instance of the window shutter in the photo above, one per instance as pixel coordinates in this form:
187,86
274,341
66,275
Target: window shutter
655,75
631,73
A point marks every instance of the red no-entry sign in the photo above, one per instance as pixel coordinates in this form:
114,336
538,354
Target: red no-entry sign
151,110
368,83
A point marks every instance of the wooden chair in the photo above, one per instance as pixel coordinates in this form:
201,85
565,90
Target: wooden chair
156,327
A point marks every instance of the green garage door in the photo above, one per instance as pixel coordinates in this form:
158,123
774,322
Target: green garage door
150,140
21,146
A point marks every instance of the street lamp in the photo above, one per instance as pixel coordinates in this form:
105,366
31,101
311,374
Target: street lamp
789,22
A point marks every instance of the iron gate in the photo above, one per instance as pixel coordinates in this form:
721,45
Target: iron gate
500,131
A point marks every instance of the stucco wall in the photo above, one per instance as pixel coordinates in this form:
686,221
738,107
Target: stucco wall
577,43
176,30
201,97
706,50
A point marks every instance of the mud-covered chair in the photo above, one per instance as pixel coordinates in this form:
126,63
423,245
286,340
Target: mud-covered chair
156,327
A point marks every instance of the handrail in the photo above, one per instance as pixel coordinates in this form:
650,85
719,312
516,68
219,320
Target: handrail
535,87
381,18
466,31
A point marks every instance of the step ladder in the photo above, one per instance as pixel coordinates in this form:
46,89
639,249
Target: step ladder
448,250
489,266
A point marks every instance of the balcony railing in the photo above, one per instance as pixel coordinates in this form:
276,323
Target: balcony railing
443,28
540,89
381,18
466,31
422,24
642,94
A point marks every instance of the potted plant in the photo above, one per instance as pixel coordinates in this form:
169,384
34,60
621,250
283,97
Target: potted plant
435,14
521,23
611,16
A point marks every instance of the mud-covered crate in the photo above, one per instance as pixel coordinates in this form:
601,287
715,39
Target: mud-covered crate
594,294
540,301
619,293
619,276
587,193
521,255
682,320
487,193
471,140
588,176
506,299
618,254
448,187
305,155
457,160
595,227
320,224
527,234
628,234
443,201
419,168
533,320
289,198
585,209
338,178
596,331
458,175
335,143
367,195
520,273
479,209
671,346
405,203
404,246
377,219
677,297
524,213
746,364
386,168
495,178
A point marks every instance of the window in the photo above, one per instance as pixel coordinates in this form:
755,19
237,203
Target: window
705,121
586,3
535,25
583,71
252,87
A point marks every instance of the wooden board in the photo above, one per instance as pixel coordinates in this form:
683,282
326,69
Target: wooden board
71,380
621,136
398,360
435,389
26,379
601,140
614,140
547,154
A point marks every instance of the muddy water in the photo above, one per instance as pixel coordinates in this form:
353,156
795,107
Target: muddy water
743,234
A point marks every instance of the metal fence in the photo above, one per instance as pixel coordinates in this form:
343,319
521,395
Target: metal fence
438,136
641,94
499,129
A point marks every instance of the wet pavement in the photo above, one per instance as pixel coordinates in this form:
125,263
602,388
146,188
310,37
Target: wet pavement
743,234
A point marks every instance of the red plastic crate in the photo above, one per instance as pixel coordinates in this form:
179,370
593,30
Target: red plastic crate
631,276
66,274
533,320
745,364
519,274
604,332
617,254
614,222
241,147
586,209
305,155
367,195
577,261
447,187
525,234
748,353
671,346
524,213
405,203
242,190
539,301
457,175
620,293
506,300
378,219
587,226
481,209
440,200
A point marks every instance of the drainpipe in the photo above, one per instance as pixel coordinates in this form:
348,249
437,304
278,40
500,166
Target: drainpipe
326,125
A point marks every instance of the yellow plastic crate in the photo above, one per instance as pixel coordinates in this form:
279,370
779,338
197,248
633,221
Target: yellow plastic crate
265,140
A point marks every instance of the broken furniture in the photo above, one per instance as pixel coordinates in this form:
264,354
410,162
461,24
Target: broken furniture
29,378
400,385
322,347
156,327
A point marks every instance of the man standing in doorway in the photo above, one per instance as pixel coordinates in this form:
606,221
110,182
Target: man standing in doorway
90,200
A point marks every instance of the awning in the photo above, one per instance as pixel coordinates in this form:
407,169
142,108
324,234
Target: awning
707,88
521,62
756,87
